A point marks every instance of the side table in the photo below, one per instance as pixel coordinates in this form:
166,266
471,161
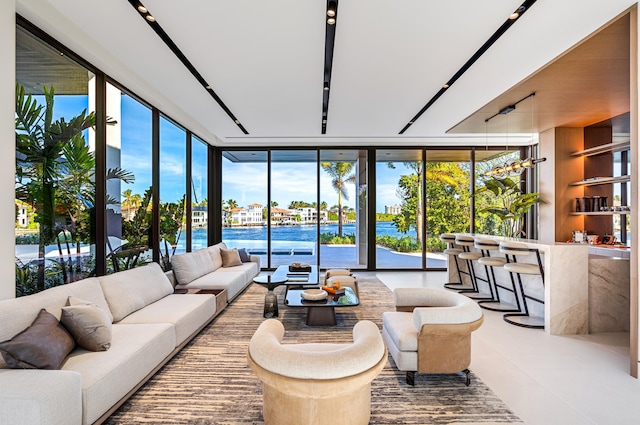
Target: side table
270,300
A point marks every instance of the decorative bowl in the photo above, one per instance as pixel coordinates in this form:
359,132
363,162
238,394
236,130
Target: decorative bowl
314,294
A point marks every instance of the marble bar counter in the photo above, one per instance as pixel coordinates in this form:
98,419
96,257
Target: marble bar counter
566,284
609,284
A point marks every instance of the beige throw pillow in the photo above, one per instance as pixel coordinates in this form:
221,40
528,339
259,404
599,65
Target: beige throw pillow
43,345
89,325
230,257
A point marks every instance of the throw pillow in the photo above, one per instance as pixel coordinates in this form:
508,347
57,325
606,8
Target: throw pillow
43,345
244,255
89,325
230,257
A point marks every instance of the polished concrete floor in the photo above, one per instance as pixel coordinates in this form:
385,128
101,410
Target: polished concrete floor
547,379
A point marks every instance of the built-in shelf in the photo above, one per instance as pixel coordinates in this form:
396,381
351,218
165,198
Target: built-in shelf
602,213
602,180
608,147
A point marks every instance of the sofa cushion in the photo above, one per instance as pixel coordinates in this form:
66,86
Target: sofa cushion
191,265
43,345
187,312
233,282
399,325
130,290
230,257
249,269
214,251
107,376
244,255
88,324
18,313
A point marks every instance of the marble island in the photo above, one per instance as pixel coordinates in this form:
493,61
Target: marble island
582,292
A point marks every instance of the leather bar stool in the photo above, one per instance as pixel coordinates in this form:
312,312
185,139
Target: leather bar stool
466,242
495,304
512,250
454,252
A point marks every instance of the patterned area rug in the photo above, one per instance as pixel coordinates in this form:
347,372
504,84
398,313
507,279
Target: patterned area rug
209,381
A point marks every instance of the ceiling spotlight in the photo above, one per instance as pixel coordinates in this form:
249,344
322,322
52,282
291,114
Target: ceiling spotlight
326,88
324,121
150,18
517,13
208,87
331,13
410,122
446,86
142,9
331,21
237,122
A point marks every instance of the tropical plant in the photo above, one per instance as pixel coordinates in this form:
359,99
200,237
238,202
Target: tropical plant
341,174
40,142
510,203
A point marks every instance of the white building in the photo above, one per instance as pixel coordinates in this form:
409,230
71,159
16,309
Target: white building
392,209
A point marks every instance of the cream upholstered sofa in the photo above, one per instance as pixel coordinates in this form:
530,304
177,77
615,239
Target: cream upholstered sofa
316,383
430,331
208,268
149,325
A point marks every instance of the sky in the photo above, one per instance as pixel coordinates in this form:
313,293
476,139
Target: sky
243,182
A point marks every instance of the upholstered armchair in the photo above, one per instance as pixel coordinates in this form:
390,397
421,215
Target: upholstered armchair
430,331
316,383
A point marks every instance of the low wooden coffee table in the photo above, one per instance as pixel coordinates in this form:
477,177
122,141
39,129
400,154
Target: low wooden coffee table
321,313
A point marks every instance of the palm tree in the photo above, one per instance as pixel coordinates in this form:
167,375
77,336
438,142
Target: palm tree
341,173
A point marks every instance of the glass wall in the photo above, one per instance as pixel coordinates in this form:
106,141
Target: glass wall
55,167
199,201
173,160
244,199
294,207
399,211
129,174
495,192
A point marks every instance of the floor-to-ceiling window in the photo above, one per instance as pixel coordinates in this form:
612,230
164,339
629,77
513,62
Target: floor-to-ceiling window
399,208
173,159
293,206
55,166
128,184
244,201
199,201
343,208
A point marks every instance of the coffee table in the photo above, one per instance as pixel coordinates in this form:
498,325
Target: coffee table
321,313
282,276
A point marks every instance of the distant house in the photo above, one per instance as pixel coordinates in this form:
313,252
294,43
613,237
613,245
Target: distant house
199,216
309,215
252,215
282,215
392,209
22,216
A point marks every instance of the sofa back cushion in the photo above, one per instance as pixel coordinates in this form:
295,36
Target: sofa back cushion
216,257
189,266
18,313
130,290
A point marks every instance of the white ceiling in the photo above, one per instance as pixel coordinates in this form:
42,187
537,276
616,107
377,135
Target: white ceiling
265,60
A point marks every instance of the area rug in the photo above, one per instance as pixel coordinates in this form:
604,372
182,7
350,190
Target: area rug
209,381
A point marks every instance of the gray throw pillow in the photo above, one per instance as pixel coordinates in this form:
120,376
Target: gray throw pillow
244,255
89,324
230,257
43,345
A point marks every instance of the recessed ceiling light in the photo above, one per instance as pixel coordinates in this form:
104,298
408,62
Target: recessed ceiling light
208,87
326,88
331,21
324,121
446,86
410,122
516,14
331,13
150,18
142,9
237,122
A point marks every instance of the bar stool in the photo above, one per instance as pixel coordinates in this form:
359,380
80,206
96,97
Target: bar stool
470,256
489,262
518,249
453,252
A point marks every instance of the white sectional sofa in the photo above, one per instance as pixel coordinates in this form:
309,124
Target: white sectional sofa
150,324
213,268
